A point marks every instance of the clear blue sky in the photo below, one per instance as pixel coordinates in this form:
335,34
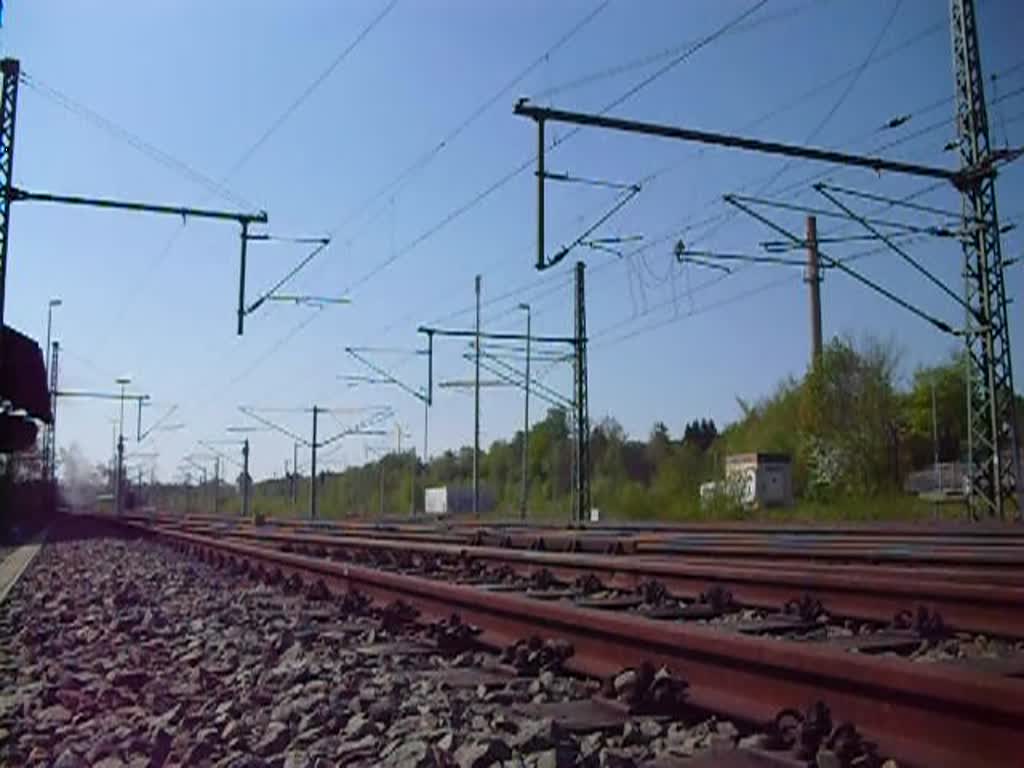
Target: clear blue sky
203,82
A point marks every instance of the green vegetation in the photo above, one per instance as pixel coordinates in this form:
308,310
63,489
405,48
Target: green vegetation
852,431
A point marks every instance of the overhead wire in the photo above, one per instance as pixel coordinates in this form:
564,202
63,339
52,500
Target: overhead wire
653,58
396,184
506,178
830,113
309,90
818,175
288,276
870,60
449,138
523,166
845,94
927,188
537,283
612,262
650,177
250,152
600,344
806,181
133,140
633,333
718,278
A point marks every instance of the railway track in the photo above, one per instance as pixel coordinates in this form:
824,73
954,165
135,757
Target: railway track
994,547
968,598
747,665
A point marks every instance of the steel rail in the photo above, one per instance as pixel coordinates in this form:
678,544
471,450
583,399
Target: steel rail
895,552
919,714
993,608
983,559
974,574
984,529
652,539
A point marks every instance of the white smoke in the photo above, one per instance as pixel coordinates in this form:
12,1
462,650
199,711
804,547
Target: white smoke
78,479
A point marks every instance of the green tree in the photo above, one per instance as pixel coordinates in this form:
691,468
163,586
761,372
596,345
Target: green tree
948,382
659,444
850,416
701,433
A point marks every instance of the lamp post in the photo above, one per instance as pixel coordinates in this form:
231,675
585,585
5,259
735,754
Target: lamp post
49,325
123,381
526,421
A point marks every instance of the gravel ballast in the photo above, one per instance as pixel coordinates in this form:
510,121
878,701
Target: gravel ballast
124,652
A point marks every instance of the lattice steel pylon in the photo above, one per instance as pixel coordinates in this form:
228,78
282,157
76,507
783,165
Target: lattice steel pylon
8,112
994,447
581,420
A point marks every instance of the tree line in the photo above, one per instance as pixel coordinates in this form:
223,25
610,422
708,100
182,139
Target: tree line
852,428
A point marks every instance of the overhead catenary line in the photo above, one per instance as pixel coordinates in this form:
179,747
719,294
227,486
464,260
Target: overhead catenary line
588,182
313,315
508,380
921,270
394,186
676,232
309,90
783,246
466,333
309,301
602,342
650,243
582,238
519,378
522,167
419,394
407,351
894,202
622,68
515,172
729,214
710,283
687,255
155,153
937,27
838,103
143,434
321,243
813,135
601,335
248,154
829,261
827,213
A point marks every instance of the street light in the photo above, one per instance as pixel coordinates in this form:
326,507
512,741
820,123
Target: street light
123,381
526,419
49,324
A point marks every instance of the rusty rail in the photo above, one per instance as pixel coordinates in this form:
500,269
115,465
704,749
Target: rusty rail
860,593
920,714
1001,548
